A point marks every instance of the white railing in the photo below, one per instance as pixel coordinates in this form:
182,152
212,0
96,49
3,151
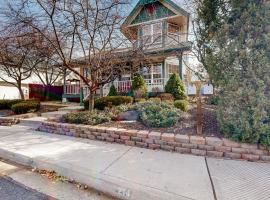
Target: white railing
168,40
173,39
153,85
123,86
72,89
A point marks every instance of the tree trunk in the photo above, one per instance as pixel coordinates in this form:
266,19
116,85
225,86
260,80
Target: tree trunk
21,92
91,101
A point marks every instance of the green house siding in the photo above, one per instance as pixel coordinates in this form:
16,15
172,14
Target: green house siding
152,11
144,2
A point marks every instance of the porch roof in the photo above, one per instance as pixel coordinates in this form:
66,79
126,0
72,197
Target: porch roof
127,55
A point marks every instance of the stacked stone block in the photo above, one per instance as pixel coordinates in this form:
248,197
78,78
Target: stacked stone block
196,145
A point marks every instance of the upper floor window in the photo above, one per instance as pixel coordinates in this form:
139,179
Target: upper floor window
152,33
86,72
173,36
172,28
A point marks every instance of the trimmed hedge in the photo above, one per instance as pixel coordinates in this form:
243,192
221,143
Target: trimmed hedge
25,106
93,117
182,105
139,100
175,86
7,104
109,101
155,100
157,115
113,91
139,87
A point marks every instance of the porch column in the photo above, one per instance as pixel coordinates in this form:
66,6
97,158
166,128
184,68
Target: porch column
163,75
81,96
180,58
164,33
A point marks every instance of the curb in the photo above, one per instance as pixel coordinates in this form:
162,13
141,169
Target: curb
106,184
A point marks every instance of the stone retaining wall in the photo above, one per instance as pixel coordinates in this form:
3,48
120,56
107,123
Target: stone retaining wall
4,121
196,145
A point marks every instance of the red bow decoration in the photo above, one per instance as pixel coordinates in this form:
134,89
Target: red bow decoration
151,9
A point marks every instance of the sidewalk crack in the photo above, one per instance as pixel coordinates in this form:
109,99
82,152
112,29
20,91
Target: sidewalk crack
211,180
103,171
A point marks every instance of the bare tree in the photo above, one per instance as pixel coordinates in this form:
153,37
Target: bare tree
46,71
82,33
17,55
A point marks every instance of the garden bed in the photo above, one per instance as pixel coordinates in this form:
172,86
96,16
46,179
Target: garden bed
186,124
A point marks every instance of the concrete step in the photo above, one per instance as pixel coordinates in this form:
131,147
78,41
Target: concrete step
71,108
55,114
32,123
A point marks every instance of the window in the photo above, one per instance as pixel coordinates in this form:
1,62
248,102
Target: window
146,34
172,69
125,77
173,34
157,71
152,33
153,73
147,75
86,72
172,28
157,32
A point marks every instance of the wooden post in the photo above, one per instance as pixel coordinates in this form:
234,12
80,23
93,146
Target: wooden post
199,108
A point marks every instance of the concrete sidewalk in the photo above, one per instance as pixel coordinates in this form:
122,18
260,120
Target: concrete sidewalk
135,173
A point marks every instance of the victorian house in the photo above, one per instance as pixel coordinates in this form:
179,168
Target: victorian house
161,28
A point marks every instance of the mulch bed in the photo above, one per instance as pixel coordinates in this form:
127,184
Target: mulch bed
186,125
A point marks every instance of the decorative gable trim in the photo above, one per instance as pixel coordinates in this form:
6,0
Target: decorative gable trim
151,12
173,7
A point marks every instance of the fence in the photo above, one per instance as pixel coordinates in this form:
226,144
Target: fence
48,92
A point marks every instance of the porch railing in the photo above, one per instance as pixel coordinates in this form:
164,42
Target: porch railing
168,40
153,85
72,89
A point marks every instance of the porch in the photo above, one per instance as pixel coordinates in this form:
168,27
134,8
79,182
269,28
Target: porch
153,85
155,76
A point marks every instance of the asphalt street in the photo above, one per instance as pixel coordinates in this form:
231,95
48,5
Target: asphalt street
10,190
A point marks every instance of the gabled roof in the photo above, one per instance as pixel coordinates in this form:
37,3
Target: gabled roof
173,5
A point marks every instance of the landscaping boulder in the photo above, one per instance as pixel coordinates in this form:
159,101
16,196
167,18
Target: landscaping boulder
131,115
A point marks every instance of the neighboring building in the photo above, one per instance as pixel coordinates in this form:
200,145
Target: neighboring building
161,27
9,91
